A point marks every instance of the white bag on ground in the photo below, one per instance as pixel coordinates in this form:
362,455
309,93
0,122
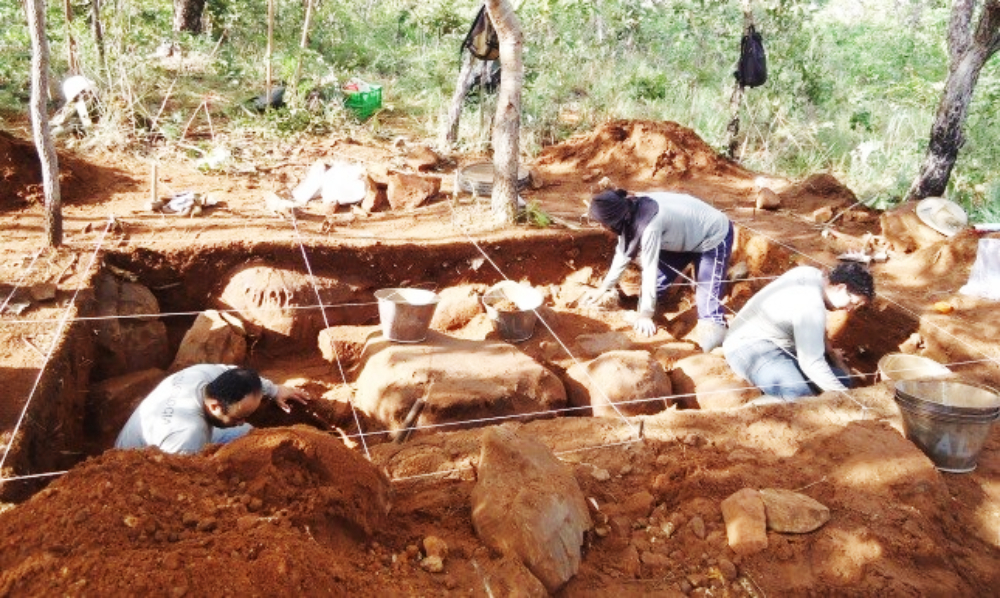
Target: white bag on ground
984,281
310,186
344,183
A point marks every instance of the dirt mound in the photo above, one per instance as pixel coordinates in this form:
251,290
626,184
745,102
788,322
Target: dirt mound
147,522
637,151
21,175
816,191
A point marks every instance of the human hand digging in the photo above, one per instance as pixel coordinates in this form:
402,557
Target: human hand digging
290,393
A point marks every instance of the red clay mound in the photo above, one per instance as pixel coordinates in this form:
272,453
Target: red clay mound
21,175
641,151
241,520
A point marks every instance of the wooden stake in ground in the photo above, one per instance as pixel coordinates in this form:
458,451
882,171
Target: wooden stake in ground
40,121
73,67
733,128
302,46
270,47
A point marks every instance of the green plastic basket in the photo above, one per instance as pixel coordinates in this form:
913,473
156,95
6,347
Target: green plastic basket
364,103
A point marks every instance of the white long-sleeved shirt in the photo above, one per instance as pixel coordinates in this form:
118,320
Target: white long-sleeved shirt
683,224
173,417
791,313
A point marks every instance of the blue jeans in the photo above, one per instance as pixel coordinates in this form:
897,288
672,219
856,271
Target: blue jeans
227,435
710,273
775,372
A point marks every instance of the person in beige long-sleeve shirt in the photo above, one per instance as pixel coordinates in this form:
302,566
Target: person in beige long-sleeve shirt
778,340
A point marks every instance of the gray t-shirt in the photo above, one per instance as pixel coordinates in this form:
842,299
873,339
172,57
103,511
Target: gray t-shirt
683,224
791,313
173,417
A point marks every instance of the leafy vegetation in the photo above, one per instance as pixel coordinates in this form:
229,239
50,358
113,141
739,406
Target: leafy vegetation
851,90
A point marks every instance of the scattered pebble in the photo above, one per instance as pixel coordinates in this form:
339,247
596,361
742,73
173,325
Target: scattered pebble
728,570
698,527
434,546
601,475
432,564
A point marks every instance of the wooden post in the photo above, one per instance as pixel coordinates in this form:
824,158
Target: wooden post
302,46
270,46
153,182
733,128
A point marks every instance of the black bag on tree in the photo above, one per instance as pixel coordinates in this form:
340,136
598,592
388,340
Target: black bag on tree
482,38
752,68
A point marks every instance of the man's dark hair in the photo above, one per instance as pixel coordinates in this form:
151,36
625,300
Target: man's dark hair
233,385
858,279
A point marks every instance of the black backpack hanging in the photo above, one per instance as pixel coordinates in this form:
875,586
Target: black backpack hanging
482,38
752,68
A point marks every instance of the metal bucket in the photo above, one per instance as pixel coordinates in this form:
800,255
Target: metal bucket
406,313
514,326
948,420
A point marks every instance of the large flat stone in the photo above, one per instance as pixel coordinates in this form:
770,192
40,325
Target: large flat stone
526,503
472,380
792,512
616,382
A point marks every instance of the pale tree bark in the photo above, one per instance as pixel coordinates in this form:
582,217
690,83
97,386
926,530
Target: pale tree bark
968,51
35,10
449,133
187,15
507,128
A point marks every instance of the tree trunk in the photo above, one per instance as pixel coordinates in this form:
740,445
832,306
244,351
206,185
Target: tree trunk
507,130
449,133
95,17
968,53
187,15
40,122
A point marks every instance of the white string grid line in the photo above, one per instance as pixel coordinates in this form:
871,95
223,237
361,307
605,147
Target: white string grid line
24,276
326,322
48,356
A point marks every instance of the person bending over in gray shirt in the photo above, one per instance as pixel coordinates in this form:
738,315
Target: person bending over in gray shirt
778,340
665,232
202,404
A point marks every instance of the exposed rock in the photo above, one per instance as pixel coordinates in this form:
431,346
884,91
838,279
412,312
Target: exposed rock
669,353
422,158
527,503
407,191
345,343
767,199
509,577
652,559
471,380
213,338
457,306
728,570
376,197
709,381
697,525
638,505
746,522
593,345
822,215
792,512
112,401
432,564
619,377
904,230
128,344
434,546
280,305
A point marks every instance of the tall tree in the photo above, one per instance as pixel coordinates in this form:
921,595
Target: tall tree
968,51
507,130
187,15
35,10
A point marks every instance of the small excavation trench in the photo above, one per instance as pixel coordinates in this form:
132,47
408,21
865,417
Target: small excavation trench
88,390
